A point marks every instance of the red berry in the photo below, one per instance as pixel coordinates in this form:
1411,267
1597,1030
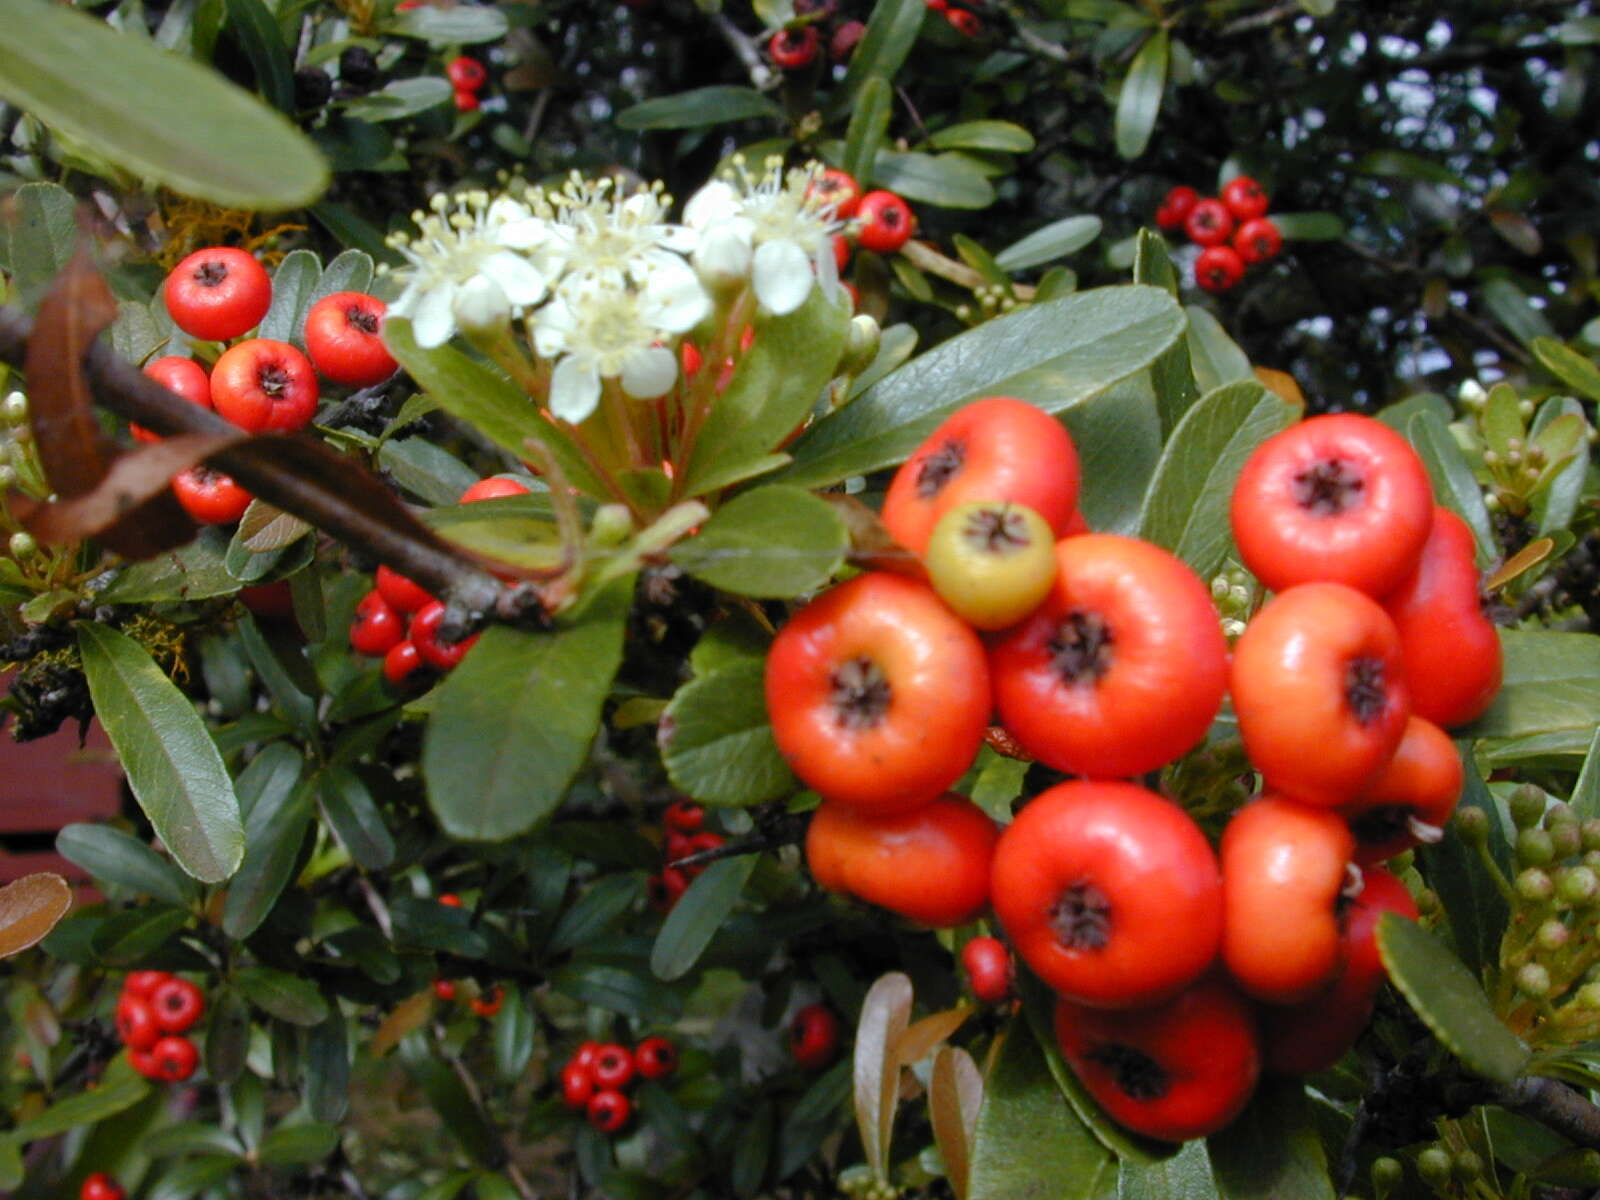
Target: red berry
1218,268
1166,219
181,375
1245,198
841,190
577,1085
684,816
136,1022
493,488
1209,223
613,1066
444,989
425,636
467,102
209,496
174,1058
845,39
101,1186
465,74
665,888
401,662
144,983
1258,240
178,1005
968,24
403,595
814,1036
265,386
377,628
1180,203
144,1062
486,1004
988,967
609,1110
792,48
218,293
841,251
449,899
655,1058
584,1056
342,339
885,222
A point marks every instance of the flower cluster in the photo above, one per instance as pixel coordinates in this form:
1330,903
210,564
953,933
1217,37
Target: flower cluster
603,283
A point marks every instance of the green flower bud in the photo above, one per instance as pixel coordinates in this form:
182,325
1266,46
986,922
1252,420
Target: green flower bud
1527,806
1219,587
1427,902
1533,980
1590,830
1402,862
1559,813
1567,838
22,546
15,408
1588,996
1535,847
1534,886
1387,1174
1472,823
1577,885
1434,1164
610,526
1552,934
861,344
1466,1166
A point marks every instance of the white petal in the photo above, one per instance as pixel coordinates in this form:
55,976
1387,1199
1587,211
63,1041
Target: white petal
724,253
673,298
680,238
826,268
782,277
406,304
435,320
553,328
649,373
574,390
715,202
517,277
480,304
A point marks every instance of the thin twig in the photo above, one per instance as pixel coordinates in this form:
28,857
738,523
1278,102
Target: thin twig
762,77
1261,20
1555,1105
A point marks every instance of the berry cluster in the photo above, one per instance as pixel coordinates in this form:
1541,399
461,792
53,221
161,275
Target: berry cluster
485,1003
467,76
101,1186
154,1012
878,220
963,20
1233,228
398,621
1180,970
259,384
596,1079
686,835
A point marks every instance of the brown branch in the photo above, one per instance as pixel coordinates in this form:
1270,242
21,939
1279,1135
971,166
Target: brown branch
1555,1105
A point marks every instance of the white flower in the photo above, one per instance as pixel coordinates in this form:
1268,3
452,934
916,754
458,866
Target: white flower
603,332
458,243
774,228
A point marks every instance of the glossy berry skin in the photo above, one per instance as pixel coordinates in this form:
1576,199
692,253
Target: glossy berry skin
1283,867
884,222
794,48
577,1086
613,1066
377,628
402,661
1319,691
1179,1070
496,487
655,1058
1179,204
1304,1038
218,293
814,1036
209,496
841,190
1209,223
403,595
585,1054
101,1186
665,889
609,1111
878,694
465,74
467,101
684,816
892,860
1218,268
1411,799
181,375
343,342
425,636
450,900
175,1058
1110,893
967,24
994,449
265,386
1246,199
1453,658
144,983
136,1022
987,963
487,1004
1122,668
445,990
992,561
1340,498
178,1004
1257,241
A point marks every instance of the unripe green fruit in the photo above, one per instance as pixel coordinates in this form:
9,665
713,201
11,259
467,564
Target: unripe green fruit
1387,1174
23,546
1535,847
1577,885
1559,813
1534,886
15,408
1472,823
1588,997
1467,1166
1552,934
1591,833
1567,839
1433,1164
1533,980
1427,902
1527,806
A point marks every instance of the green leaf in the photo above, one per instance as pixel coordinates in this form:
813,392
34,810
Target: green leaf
698,914
400,98
620,989
426,469
772,542
275,832
1001,136
1118,434
258,32
487,401
297,1145
1215,357
1185,1175
1055,240
1577,371
1449,1000
293,284
891,33
1453,483
1397,164
1186,508
193,1176
515,720
349,271
462,25
1555,505
1055,355
1152,262
1140,102
1477,909
227,1035
282,995
1509,305
130,937
515,1030
594,913
945,180
461,1116
1272,1148
1551,681
162,116
172,764
716,741
701,106
116,1092
1029,1145
112,856
197,571
281,667
41,231
869,125
1309,227
354,816
1586,791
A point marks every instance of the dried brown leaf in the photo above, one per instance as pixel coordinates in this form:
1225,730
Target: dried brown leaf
29,909
871,545
264,527
955,1094
927,1033
406,1017
885,1014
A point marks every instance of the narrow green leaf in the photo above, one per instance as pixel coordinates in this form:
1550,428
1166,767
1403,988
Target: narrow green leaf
189,128
112,856
129,937
349,271
1055,240
716,741
354,816
461,1116
698,914
770,542
269,778
515,720
515,1031
257,31
293,284
1556,504
945,180
227,1035
274,833
1272,1149
1586,792
1509,305
193,572
297,1145
1055,355
1215,357
463,25
891,33
281,667
1140,102
116,1092
172,764
1476,907
1152,262
1577,371
701,106
1449,1000
1186,508
595,912
42,228
1000,136
1453,482
282,995
1399,165
1309,227
869,125
400,98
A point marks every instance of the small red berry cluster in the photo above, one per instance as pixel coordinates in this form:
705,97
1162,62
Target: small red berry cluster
259,384
1234,229
467,76
101,1186
684,823
879,220
963,20
154,1012
398,620
596,1079
487,1002
814,1036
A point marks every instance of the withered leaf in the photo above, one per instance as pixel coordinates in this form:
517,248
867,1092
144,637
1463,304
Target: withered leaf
29,909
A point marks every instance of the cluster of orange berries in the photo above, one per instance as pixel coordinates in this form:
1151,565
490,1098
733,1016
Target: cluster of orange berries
1233,228
596,1079
259,384
154,1013
684,824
